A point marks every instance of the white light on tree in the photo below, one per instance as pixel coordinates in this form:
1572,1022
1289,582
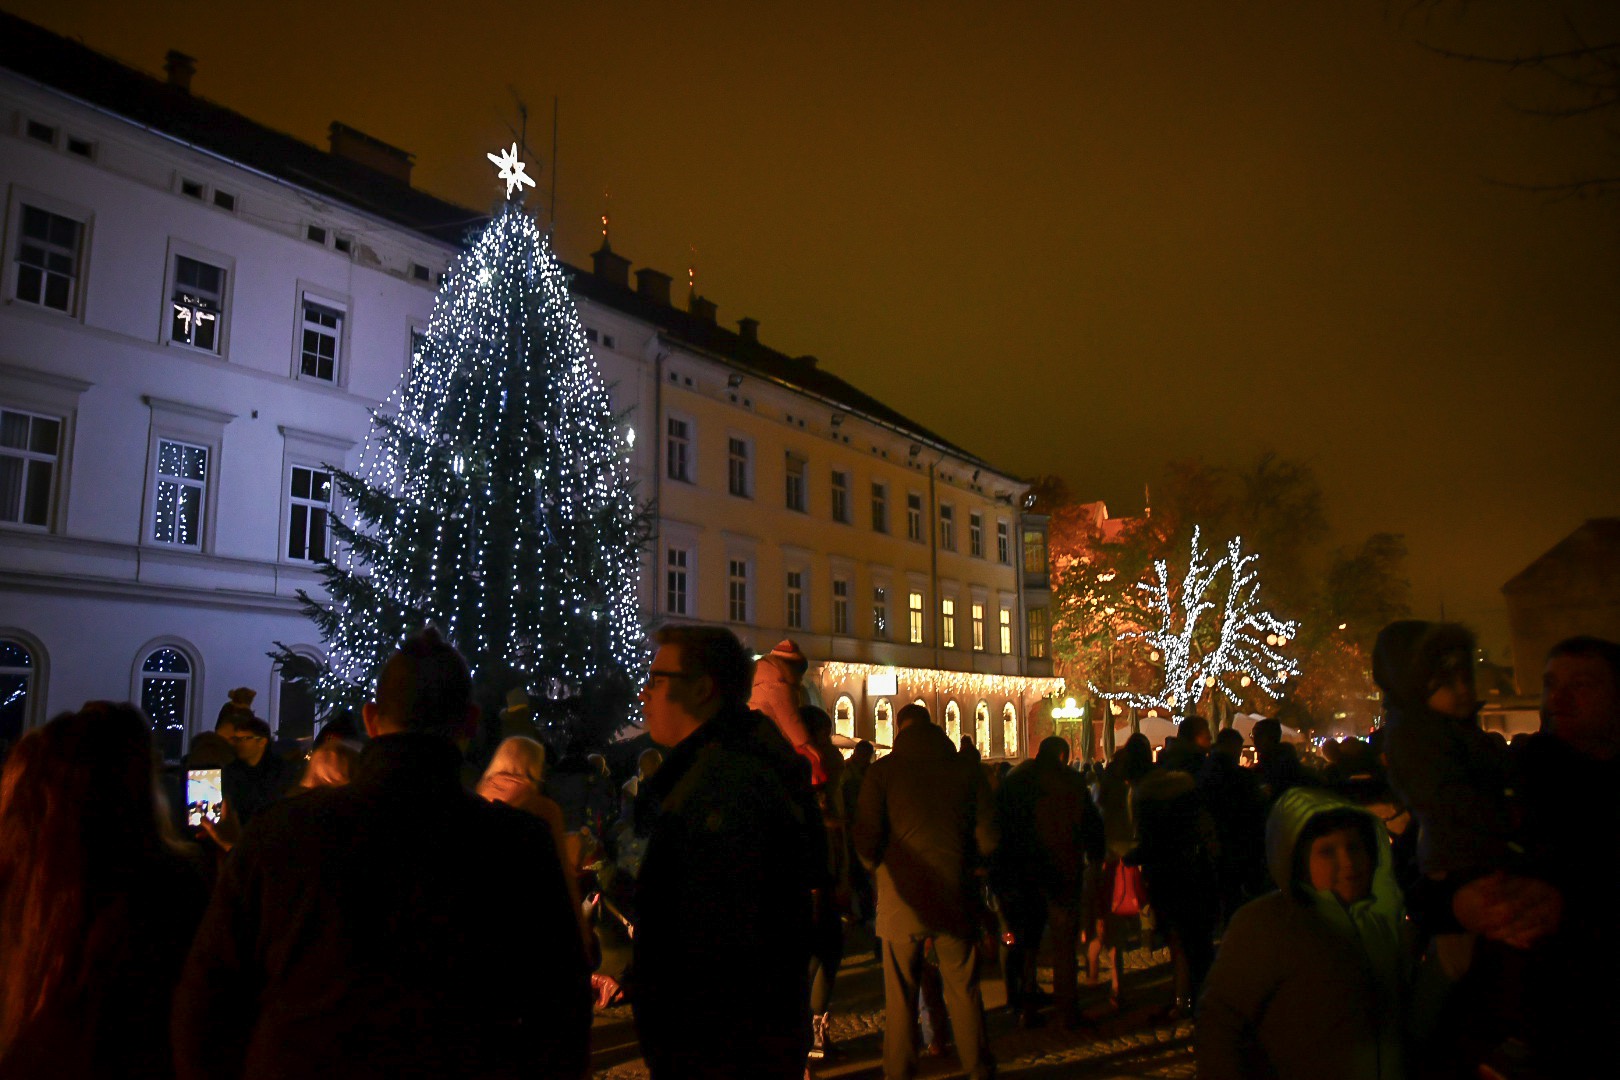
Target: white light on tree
494,500
1208,640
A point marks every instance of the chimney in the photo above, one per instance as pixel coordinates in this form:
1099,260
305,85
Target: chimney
748,330
374,154
807,360
180,69
609,265
703,309
653,285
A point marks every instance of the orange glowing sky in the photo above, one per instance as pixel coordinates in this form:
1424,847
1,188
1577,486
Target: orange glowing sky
1074,237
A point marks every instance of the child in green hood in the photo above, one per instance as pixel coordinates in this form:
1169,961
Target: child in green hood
1313,981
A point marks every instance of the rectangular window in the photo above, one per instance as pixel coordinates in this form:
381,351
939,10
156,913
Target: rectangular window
795,482
880,508
41,132
947,623
1003,545
29,445
947,526
737,478
198,303
914,523
1035,552
309,506
978,627
48,259
914,609
323,336
840,497
1036,619
678,451
880,613
976,535
675,582
737,589
840,589
1006,631
795,600
182,481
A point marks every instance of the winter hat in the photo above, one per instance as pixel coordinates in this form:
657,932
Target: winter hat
788,655
1409,654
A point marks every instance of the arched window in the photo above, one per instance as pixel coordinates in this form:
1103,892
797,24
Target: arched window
953,722
1009,730
883,713
17,687
981,733
844,716
166,698
295,700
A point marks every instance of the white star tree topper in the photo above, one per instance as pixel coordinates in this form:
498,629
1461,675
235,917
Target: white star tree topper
512,170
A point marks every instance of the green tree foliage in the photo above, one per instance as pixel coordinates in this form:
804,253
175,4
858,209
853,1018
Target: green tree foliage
494,501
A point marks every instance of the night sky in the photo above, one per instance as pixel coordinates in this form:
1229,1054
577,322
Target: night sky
1074,238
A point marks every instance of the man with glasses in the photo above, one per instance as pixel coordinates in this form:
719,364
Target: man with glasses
720,980
258,777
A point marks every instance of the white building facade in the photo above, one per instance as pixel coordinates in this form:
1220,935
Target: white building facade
198,315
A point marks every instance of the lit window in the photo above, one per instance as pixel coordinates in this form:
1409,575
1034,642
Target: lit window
17,669
675,581
947,526
1009,730
840,497
48,259
953,722
1006,631
977,612
914,519
914,608
844,717
883,724
738,481
840,593
323,336
1035,552
29,445
880,613
737,589
182,480
976,535
166,699
1003,545
795,482
880,508
678,451
198,303
947,623
795,599
309,506
1038,636
981,721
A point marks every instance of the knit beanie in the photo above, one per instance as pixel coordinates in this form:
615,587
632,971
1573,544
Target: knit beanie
788,655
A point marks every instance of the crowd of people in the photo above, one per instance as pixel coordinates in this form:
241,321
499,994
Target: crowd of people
1428,902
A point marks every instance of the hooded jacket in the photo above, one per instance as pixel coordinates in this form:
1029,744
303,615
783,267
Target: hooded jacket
1304,986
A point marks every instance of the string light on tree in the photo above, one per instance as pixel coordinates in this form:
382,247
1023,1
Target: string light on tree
494,498
1207,645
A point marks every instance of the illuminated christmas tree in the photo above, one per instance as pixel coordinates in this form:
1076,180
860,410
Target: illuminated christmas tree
1226,647
493,500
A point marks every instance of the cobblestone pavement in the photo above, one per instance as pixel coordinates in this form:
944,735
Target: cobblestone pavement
1111,1046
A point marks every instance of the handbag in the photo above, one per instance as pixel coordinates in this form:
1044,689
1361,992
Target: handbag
1127,892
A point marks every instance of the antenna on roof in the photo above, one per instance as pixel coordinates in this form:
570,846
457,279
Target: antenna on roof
554,160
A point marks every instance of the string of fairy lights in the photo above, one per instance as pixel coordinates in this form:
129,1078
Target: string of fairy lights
934,680
1248,639
494,496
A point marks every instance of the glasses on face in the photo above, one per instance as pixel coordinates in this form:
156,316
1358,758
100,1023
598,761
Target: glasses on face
246,738
667,676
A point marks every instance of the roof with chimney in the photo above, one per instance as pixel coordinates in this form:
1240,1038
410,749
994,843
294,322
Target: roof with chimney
1585,563
379,185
